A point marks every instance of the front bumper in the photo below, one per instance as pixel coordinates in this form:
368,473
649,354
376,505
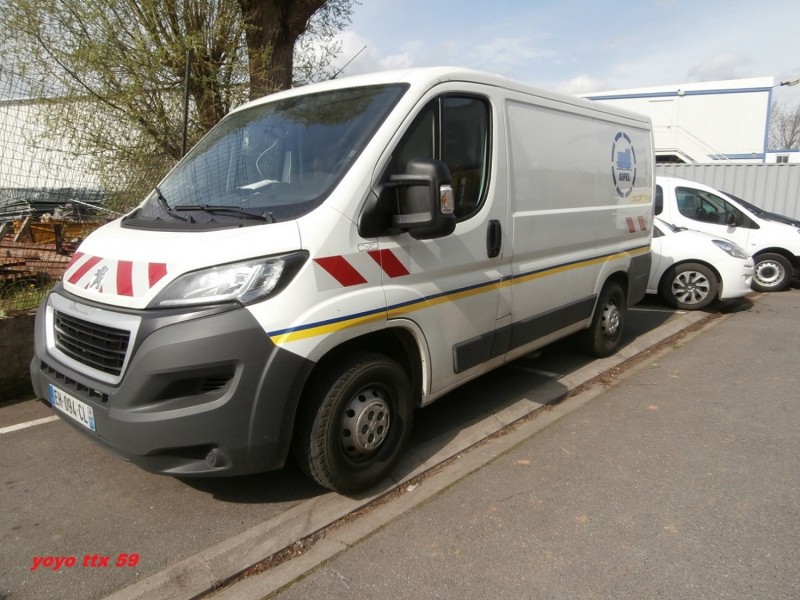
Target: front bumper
202,391
736,281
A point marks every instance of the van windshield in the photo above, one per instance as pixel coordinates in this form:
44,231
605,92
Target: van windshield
272,162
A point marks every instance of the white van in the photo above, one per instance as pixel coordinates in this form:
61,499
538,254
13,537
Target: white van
775,246
329,258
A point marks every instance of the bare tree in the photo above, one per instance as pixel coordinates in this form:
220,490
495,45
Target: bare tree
784,129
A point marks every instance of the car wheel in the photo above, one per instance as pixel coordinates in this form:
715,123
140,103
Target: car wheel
689,286
354,423
604,335
773,273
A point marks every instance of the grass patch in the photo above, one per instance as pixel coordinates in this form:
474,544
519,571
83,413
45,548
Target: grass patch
22,296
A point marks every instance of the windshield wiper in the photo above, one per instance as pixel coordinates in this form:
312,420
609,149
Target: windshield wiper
162,201
266,216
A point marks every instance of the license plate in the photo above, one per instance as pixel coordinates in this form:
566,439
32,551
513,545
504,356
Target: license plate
72,407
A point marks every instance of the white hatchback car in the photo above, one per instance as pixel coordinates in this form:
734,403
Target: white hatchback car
691,269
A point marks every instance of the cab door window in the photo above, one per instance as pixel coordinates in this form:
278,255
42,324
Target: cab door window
455,130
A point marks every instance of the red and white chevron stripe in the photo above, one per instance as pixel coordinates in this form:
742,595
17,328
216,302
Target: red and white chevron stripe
642,222
345,272
114,277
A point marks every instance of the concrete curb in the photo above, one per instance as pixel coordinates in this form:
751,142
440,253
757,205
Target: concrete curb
293,541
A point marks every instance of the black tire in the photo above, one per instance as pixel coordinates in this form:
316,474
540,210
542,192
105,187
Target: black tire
354,422
773,273
689,286
604,335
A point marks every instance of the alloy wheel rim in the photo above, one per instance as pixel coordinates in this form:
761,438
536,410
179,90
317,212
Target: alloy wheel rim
691,287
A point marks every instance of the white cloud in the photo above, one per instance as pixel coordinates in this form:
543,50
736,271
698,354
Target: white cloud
506,52
503,55
356,55
359,55
582,84
556,46
397,61
721,66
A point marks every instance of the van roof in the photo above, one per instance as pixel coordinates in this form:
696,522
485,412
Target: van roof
426,77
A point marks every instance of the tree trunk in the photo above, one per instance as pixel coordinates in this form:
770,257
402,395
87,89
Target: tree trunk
272,28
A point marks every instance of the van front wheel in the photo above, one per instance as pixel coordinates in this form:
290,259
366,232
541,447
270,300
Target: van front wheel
355,422
604,335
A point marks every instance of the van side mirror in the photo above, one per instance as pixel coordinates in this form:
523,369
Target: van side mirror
425,201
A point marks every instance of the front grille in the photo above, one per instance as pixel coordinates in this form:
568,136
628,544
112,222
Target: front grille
69,384
97,346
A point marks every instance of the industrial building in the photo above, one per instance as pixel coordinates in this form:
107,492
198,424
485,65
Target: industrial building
707,122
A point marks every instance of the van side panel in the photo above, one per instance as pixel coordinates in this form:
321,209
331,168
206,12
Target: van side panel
580,189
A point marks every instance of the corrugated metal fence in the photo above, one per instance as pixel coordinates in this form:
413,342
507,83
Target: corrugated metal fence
773,187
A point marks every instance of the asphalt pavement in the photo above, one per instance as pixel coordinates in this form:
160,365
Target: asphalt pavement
78,519
679,478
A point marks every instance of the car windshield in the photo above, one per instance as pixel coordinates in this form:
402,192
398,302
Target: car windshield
748,205
271,162
668,226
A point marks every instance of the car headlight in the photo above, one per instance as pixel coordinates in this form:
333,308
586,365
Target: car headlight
243,282
731,248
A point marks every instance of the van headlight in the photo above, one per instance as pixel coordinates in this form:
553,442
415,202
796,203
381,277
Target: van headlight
243,282
731,248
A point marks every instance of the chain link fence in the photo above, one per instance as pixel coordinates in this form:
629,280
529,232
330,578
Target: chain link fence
53,191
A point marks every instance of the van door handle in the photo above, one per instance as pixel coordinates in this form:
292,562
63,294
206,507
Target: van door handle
494,238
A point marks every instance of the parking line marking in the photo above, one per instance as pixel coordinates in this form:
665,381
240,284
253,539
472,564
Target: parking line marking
27,424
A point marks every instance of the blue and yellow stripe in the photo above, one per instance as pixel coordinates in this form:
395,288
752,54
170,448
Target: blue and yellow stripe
292,334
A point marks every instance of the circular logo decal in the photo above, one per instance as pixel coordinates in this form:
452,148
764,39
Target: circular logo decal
623,165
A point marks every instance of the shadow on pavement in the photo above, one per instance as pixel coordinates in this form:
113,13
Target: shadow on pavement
534,376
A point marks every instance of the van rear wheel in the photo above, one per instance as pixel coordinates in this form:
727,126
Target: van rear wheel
354,423
604,335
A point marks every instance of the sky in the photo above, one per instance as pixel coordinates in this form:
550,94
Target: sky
583,46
